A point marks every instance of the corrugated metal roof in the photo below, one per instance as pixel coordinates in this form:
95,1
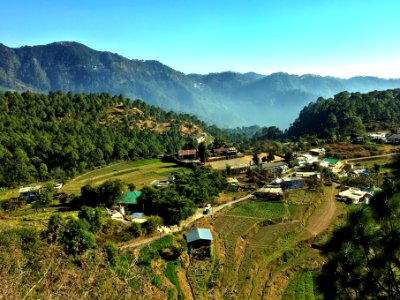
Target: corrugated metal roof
130,197
331,160
199,234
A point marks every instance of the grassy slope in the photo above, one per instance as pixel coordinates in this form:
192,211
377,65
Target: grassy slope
140,173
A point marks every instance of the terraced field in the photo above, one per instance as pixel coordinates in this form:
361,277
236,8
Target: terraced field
262,241
140,173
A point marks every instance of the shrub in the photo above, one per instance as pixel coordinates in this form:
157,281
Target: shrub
94,216
151,225
111,253
77,238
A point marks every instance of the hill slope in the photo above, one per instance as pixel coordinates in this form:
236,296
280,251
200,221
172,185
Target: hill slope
349,114
64,134
229,99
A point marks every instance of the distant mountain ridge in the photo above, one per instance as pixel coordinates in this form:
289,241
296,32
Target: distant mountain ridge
229,99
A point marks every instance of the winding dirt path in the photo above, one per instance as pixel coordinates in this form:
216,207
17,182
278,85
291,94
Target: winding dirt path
324,215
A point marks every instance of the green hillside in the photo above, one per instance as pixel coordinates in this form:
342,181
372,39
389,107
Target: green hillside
349,114
60,135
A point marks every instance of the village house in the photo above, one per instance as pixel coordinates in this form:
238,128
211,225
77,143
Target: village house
393,138
231,151
360,172
275,167
378,137
162,183
30,193
317,152
290,182
309,176
233,184
269,192
129,200
304,159
239,168
333,163
187,154
354,195
199,237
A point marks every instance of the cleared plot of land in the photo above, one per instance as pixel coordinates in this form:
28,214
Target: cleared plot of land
139,173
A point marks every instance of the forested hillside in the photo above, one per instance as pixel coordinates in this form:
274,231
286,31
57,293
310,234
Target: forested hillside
228,99
59,135
349,114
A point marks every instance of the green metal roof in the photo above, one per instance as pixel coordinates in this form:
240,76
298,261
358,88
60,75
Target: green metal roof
130,197
332,160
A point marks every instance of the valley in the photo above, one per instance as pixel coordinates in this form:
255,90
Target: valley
162,205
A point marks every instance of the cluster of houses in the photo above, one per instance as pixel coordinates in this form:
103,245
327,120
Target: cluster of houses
380,137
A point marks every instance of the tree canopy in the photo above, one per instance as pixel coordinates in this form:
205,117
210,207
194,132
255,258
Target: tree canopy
348,114
364,253
60,135
179,200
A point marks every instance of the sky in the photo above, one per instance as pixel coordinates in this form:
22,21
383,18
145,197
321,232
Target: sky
340,38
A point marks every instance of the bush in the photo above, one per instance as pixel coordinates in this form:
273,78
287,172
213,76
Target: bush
135,229
151,225
111,253
77,238
94,216
55,227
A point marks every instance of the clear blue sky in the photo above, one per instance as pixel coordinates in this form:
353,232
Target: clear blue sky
326,37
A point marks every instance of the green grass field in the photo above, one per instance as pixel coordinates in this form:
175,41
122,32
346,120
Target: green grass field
265,210
8,193
301,287
140,173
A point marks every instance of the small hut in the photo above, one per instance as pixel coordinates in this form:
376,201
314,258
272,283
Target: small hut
199,237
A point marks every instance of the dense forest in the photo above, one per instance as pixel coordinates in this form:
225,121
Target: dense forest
349,114
59,135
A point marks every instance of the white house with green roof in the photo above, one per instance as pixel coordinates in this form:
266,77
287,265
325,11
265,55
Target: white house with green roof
334,163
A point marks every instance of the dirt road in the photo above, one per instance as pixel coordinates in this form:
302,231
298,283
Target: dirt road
324,216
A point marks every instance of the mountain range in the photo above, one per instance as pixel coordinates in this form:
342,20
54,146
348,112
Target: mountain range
228,99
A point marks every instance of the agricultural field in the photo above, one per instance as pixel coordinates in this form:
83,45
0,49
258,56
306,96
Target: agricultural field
140,173
8,193
262,240
266,210
250,242
302,286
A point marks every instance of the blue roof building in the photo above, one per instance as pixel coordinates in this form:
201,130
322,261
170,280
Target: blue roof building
199,237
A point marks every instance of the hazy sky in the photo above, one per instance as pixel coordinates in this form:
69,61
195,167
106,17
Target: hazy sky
326,37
